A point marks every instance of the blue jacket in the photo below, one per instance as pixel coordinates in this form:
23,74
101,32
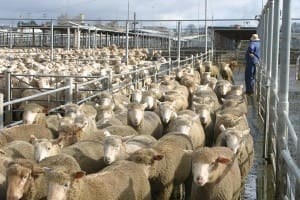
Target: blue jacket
254,48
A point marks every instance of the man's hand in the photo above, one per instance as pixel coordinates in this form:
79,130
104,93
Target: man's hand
251,55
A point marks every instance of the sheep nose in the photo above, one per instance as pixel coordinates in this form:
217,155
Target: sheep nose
107,159
199,178
202,119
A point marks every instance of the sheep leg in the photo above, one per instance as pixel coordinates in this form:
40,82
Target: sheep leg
166,193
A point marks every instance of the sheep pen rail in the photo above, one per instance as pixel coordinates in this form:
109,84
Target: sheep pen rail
72,90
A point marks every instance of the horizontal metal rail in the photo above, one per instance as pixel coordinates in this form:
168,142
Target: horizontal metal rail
292,131
291,164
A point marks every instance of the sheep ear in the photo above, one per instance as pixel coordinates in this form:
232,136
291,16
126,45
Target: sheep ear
188,152
32,139
58,141
79,174
222,128
125,138
223,100
144,106
223,160
245,132
106,133
195,118
158,157
2,152
37,171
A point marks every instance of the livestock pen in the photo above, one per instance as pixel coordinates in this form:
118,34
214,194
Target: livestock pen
274,109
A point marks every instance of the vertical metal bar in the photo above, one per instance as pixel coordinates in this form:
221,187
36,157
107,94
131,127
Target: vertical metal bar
68,39
1,110
283,90
89,38
52,40
269,75
7,110
95,39
178,43
205,25
275,54
69,92
78,38
127,41
11,37
297,191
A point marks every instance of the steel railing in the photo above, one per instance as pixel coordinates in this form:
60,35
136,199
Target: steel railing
272,93
71,88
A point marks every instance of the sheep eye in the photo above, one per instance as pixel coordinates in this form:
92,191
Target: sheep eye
66,185
24,177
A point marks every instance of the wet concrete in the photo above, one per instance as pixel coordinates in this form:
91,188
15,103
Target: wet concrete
254,184
257,133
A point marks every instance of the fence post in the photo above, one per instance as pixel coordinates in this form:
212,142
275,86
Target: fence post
109,80
7,110
283,105
1,110
69,92
178,43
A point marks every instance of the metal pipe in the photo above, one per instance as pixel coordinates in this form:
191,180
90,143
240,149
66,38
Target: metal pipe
68,39
52,40
1,110
269,75
178,43
283,92
205,25
127,40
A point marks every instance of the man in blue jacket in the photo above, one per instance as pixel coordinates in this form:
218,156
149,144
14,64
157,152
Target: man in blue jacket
252,60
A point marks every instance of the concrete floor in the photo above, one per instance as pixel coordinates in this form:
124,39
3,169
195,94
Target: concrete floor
253,185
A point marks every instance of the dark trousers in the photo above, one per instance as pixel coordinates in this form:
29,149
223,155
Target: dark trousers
250,77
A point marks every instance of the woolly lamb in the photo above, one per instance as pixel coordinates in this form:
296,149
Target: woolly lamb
26,180
34,114
241,143
226,72
216,174
169,164
230,118
23,132
144,122
119,148
122,180
190,126
207,119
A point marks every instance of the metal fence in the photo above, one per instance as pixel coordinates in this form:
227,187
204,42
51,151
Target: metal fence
272,92
71,90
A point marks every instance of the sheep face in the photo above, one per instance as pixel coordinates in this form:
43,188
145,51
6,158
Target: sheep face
17,181
112,147
166,112
206,166
223,89
60,183
135,114
57,191
20,175
150,101
137,96
44,148
204,114
29,117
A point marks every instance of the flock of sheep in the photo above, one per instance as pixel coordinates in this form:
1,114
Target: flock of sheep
186,137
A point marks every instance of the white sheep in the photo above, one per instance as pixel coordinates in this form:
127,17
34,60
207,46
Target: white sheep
122,180
216,174
144,122
118,148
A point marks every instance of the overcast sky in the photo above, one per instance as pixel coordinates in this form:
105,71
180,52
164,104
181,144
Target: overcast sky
145,9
